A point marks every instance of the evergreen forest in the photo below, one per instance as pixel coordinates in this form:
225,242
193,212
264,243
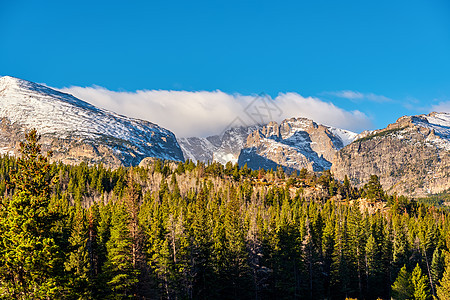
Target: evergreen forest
179,230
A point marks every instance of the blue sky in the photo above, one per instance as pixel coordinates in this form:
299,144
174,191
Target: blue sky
382,58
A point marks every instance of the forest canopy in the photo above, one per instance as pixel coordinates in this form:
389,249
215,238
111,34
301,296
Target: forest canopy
179,230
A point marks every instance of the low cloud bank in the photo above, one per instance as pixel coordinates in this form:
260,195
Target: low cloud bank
205,113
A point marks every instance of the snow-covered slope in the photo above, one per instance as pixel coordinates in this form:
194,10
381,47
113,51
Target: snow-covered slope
345,136
62,117
439,123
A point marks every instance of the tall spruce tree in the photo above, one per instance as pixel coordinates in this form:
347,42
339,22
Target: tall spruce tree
443,289
30,265
121,275
420,284
77,263
437,267
403,289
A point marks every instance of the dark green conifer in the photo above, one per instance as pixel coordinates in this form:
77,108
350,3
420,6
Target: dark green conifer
403,288
443,289
420,284
30,264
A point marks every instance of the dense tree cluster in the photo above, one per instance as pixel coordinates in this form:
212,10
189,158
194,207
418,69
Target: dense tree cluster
207,231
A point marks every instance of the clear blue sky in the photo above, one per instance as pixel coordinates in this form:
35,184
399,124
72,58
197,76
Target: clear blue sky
396,49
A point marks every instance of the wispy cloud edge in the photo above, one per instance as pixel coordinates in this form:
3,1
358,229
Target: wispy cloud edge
359,96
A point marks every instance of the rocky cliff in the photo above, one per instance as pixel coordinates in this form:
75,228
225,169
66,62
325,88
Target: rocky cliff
411,156
222,148
294,144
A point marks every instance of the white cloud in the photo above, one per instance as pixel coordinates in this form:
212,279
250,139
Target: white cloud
443,106
355,95
348,94
322,112
205,113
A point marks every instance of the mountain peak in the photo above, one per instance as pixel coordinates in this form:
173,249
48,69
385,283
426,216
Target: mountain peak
295,143
8,82
8,78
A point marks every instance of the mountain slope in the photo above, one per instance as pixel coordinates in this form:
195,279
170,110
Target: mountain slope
197,148
77,131
220,148
294,144
411,156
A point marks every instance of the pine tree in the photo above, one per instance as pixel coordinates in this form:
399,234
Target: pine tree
357,228
420,284
310,262
327,252
373,266
31,262
403,289
132,205
122,276
386,261
342,272
236,257
93,246
77,264
200,247
259,271
443,289
373,189
102,233
437,267
400,245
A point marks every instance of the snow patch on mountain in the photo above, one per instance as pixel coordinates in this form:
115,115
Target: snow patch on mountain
346,136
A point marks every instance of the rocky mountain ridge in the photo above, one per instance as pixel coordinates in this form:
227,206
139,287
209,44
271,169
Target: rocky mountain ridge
410,156
301,141
294,144
77,131
221,148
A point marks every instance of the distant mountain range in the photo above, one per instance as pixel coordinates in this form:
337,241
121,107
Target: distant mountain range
294,144
411,156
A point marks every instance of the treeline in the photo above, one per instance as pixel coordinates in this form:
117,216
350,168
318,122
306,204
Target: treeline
186,231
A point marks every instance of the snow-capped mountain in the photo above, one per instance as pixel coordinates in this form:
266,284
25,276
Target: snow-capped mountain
221,148
76,130
410,156
294,144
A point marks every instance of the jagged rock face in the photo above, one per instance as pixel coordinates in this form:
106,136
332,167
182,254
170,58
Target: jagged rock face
294,144
76,131
411,156
220,148
197,149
